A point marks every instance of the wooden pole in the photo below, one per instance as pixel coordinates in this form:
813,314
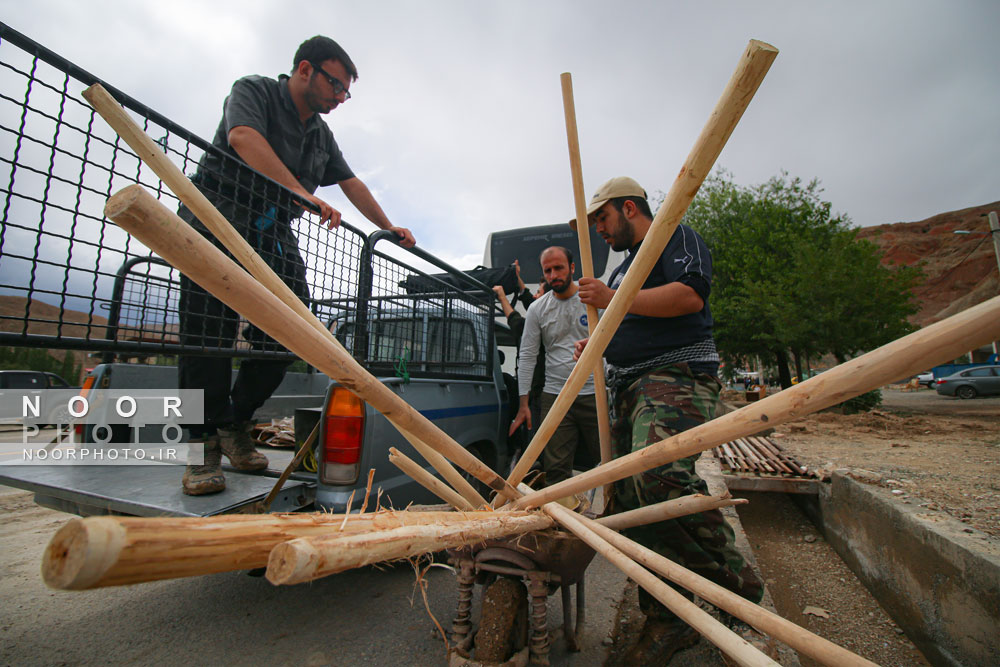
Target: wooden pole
586,261
728,641
112,551
307,447
181,185
668,509
749,73
799,638
305,559
935,344
995,233
166,234
427,480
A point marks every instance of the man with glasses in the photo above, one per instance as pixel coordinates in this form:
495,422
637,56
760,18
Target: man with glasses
274,127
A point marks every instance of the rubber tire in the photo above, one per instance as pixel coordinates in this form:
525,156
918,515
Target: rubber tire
965,391
503,628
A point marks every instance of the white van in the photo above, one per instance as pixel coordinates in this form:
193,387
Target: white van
526,244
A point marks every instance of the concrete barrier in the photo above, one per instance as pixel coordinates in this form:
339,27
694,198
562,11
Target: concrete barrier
938,582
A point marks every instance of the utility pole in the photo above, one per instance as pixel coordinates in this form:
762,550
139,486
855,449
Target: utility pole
995,233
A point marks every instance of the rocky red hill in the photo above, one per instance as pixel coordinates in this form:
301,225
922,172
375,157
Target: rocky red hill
960,270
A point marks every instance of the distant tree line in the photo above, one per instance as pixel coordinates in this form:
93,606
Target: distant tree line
791,280
37,359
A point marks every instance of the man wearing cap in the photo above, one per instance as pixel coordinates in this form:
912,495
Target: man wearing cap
556,320
662,366
274,127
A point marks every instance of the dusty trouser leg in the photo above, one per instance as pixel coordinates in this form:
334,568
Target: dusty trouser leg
660,404
255,382
205,322
557,457
208,323
259,378
584,414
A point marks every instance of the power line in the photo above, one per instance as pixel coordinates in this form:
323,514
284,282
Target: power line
952,269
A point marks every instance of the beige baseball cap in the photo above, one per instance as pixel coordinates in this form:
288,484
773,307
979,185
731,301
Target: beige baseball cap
619,186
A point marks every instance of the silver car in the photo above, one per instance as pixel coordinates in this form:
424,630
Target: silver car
979,381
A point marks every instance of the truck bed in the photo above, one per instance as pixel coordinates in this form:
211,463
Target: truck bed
147,490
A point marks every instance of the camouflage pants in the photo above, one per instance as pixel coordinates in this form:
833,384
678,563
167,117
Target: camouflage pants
659,404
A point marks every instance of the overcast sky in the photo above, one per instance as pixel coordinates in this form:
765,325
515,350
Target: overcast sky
456,122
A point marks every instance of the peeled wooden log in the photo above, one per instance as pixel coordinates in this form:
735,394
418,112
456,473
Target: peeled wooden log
165,233
669,509
934,344
630,557
112,551
427,480
735,98
800,639
152,155
728,641
309,558
586,259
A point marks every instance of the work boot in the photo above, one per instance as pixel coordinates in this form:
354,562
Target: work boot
237,445
659,641
205,478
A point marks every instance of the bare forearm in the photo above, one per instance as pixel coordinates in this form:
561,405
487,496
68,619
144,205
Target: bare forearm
670,300
359,195
253,148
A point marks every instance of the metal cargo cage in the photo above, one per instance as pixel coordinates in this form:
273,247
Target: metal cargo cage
71,279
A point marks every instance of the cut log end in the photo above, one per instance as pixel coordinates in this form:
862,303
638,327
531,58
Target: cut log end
81,552
758,45
122,201
292,562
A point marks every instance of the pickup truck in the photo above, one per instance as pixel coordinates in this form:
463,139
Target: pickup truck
72,280
437,350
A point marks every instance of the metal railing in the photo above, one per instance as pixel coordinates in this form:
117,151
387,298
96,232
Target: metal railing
71,279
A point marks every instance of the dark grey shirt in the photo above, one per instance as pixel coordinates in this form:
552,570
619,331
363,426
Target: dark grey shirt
265,105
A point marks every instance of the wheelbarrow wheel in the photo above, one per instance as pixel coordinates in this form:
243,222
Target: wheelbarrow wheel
503,629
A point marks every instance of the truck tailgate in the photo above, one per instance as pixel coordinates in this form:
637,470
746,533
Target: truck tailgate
146,490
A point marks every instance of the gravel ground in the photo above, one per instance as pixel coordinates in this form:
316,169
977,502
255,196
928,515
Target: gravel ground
812,587
937,452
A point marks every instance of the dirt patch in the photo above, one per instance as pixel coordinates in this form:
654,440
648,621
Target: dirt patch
936,452
503,628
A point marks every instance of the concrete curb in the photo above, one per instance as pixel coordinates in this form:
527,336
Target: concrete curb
938,582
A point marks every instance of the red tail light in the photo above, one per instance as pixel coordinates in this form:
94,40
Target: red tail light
343,433
88,382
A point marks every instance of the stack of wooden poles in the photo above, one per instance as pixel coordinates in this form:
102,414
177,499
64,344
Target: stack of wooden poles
108,551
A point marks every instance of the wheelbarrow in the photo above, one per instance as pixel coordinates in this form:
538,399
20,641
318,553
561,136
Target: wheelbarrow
517,575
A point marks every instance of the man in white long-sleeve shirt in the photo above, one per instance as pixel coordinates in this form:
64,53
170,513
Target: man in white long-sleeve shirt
557,320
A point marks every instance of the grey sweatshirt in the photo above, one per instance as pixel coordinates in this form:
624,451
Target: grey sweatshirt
558,324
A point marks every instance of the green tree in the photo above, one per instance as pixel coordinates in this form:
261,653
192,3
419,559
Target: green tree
790,279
